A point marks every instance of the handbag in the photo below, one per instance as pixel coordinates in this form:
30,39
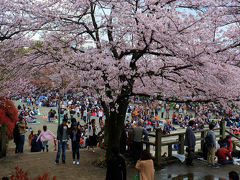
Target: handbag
136,177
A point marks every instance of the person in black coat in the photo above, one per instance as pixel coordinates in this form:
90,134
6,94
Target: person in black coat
36,146
75,135
116,167
190,142
62,137
16,136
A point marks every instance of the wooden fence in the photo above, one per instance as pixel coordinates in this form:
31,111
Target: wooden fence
200,136
3,140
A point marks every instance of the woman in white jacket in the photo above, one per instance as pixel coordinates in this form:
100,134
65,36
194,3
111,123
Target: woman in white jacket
92,135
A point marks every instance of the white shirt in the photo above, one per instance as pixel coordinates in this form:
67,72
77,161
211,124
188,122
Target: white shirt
90,130
100,113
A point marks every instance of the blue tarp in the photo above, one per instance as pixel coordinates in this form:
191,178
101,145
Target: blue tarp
42,97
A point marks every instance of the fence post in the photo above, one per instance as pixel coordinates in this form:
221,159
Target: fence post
170,150
203,135
234,146
222,129
4,140
158,151
181,144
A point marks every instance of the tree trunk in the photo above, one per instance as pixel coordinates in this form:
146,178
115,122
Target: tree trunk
113,127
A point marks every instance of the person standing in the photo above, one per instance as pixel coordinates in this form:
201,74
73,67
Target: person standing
92,135
137,135
210,141
75,135
49,115
89,116
45,136
190,142
145,166
162,111
22,130
84,116
62,137
116,166
78,111
28,101
100,115
16,136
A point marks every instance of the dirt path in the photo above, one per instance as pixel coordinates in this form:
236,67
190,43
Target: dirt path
39,163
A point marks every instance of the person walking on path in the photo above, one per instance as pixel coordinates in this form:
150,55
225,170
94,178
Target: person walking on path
116,166
145,166
45,136
210,141
75,135
190,142
22,130
92,135
62,137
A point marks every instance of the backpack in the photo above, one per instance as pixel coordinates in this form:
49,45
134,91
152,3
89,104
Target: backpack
208,140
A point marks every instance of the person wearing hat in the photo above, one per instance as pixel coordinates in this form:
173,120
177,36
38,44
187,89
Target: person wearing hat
190,142
75,135
222,154
62,137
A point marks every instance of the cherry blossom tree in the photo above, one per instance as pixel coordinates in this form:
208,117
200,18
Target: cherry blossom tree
181,50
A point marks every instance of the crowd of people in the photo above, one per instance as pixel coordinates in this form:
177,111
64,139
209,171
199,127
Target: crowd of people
222,150
80,112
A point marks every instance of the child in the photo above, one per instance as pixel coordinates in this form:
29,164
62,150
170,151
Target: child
45,136
30,137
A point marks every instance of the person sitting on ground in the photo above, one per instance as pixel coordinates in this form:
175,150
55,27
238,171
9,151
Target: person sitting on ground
116,167
145,166
222,154
36,146
233,175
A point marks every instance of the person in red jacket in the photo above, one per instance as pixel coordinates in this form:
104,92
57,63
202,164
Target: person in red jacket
229,143
222,154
